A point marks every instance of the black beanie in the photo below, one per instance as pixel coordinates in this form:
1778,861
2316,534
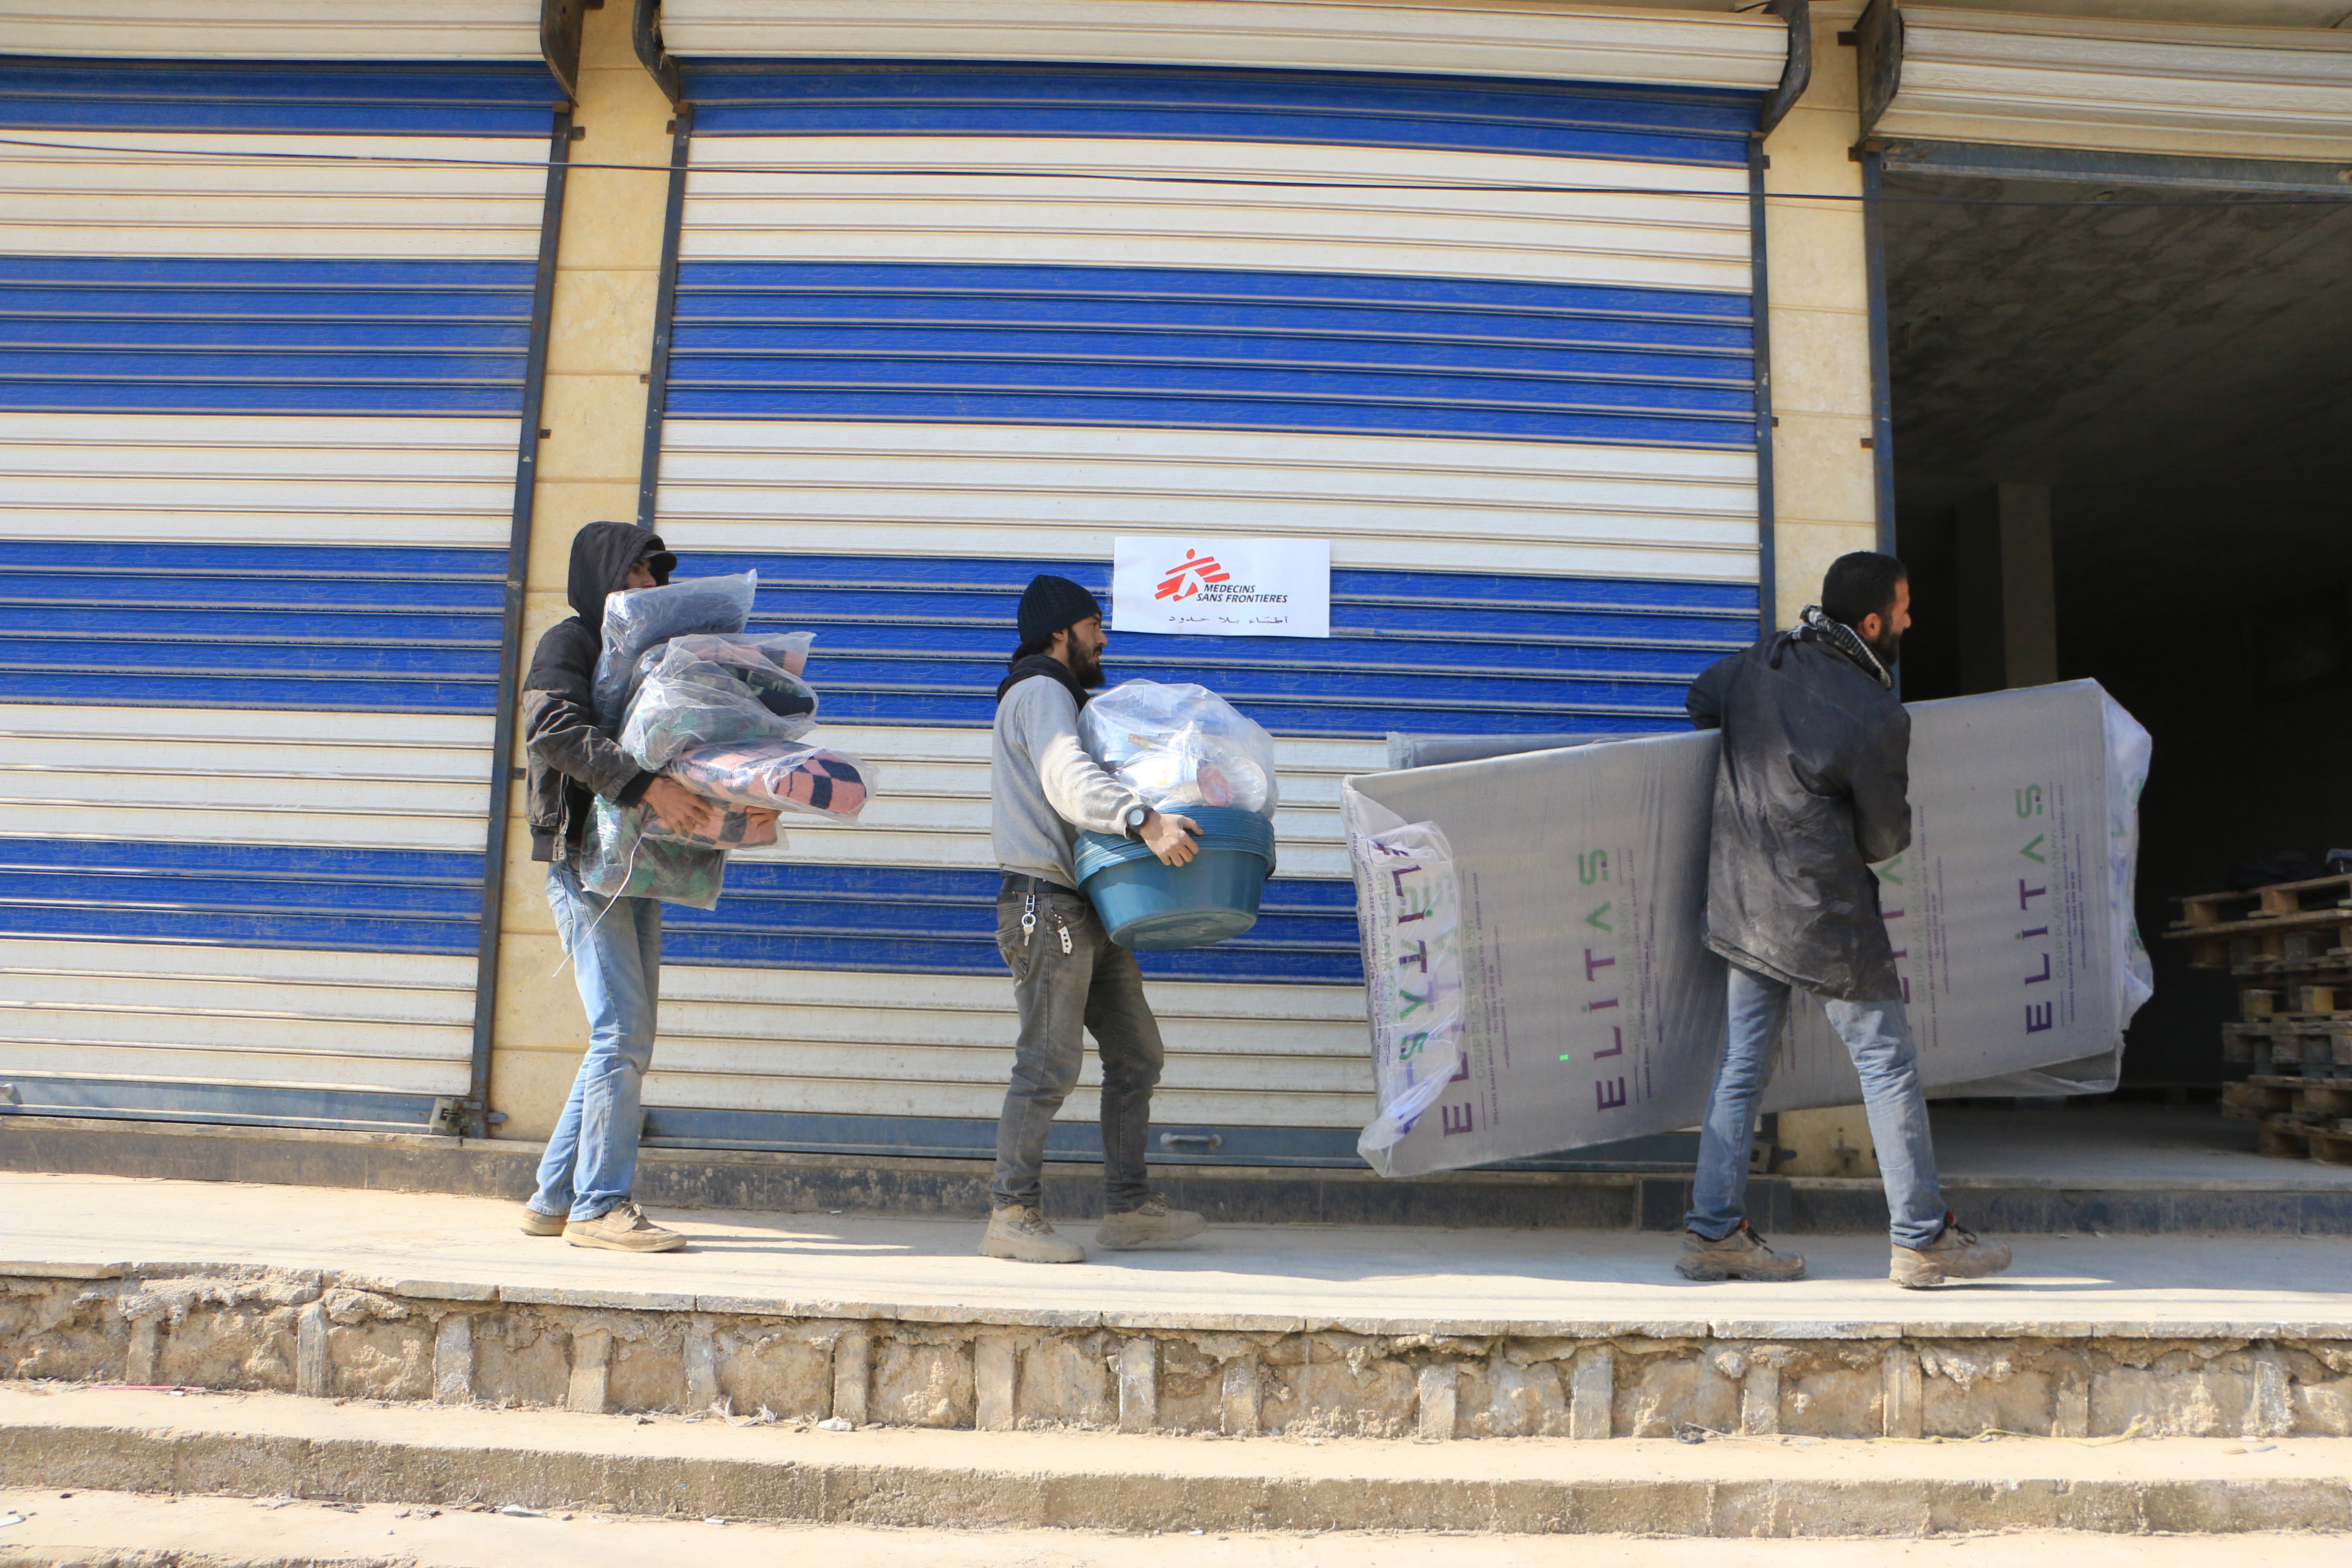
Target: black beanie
1051,605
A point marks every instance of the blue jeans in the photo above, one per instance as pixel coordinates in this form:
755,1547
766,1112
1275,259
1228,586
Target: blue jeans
1094,989
1879,1038
591,1158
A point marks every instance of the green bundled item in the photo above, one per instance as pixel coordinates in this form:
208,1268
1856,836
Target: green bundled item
620,859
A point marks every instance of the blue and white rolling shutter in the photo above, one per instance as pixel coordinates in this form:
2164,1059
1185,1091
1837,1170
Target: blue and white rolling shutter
942,323
263,328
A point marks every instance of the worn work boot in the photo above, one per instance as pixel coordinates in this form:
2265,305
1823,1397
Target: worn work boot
537,1223
1019,1232
1957,1254
1742,1255
624,1228
1154,1224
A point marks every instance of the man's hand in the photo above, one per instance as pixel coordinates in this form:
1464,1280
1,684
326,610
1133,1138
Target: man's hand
681,810
1170,836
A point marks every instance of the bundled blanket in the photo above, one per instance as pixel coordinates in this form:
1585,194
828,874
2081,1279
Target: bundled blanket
778,775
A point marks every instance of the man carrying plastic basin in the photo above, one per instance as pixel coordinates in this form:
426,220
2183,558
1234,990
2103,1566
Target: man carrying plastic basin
1068,974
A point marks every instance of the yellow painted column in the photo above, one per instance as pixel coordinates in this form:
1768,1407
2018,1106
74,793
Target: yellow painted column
1825,504
600,345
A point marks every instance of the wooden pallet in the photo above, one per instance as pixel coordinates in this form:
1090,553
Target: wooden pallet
2279,1139
2232,928
2295,1119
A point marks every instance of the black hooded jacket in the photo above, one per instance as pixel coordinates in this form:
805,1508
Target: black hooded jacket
571,758
1809,791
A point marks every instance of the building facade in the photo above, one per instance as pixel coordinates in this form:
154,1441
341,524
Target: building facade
1566,326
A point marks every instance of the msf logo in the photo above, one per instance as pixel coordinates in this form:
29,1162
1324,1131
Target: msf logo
1189,576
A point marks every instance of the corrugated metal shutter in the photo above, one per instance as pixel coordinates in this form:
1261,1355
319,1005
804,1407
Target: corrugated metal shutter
1496,37
940,326
258,419
273,29
2002,78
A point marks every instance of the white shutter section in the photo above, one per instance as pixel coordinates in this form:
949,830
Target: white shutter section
2049,81
1654,48
308,30
816,1043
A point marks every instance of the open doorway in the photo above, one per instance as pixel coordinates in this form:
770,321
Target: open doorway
2169,371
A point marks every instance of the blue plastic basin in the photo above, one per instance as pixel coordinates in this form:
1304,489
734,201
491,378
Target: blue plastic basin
1152,907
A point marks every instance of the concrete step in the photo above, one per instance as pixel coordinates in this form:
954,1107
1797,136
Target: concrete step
266,1445
126,1529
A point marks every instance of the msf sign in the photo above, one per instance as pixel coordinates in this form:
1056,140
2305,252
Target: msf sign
1221,587
1189,576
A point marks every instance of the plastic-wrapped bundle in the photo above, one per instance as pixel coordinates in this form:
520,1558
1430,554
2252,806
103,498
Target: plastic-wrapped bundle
739,828
708,690
1180,746
644,618
619,858
779,775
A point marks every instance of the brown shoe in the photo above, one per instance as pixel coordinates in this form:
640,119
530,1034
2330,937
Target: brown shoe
1957,1254
1742,1255
624,1228
1152,1223
1019,1231
537,1223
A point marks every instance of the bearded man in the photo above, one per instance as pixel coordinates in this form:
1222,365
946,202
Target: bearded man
1809,793
1068,974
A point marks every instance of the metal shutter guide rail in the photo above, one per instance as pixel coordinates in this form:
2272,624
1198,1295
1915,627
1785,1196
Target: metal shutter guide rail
1652,47
1978,77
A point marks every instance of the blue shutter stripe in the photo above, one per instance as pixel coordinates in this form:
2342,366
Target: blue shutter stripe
923,642
778,916
442,98
1073,345
251,626
383,900
1468,114
222,336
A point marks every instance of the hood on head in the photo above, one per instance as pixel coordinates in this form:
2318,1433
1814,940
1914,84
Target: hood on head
602,554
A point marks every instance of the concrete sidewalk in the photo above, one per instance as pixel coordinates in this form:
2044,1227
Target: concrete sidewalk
1238,1277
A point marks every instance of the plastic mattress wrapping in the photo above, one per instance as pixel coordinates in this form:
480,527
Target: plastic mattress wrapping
638,622
1532,930
1180,745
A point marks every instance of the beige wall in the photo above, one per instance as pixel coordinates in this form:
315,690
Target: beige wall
1821,473
600,345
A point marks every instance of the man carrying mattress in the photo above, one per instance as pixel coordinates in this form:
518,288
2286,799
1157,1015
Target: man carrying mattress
1068,974
1809,793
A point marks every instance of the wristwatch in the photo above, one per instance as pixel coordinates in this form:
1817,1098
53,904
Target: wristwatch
1137,815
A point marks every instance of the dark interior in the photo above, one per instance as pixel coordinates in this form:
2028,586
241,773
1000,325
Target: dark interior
2179,375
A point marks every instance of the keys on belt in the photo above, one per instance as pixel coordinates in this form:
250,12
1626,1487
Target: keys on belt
1029,920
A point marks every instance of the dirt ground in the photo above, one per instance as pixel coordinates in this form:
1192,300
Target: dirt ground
116,1530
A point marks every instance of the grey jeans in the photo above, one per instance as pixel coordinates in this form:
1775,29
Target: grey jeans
1096,988
1878,1037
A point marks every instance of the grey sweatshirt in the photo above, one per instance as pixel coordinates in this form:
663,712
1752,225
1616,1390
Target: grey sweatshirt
1044,788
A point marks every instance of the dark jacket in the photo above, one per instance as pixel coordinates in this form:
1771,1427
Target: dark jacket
571,759
1808,792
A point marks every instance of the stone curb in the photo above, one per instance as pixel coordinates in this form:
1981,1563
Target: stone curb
335,1335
